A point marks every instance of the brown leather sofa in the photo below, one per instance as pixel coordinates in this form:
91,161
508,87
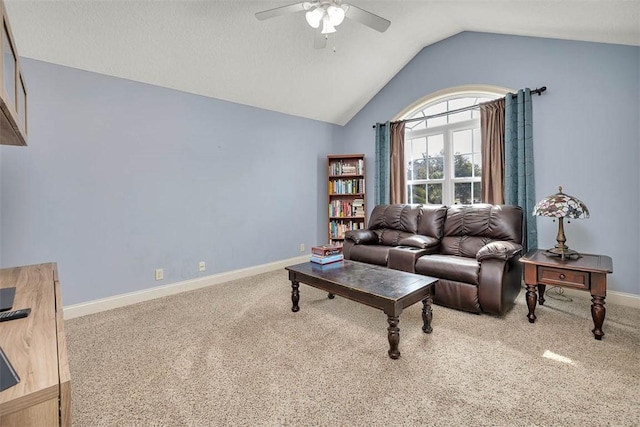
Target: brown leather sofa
472,249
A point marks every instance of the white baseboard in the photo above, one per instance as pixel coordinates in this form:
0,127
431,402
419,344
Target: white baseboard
96,306
613,297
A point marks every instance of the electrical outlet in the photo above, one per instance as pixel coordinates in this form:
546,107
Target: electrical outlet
202,266
301,247
159,274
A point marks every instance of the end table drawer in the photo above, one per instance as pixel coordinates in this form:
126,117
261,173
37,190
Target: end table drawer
556,276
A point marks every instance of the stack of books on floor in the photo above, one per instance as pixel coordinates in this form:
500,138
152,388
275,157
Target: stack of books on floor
326,254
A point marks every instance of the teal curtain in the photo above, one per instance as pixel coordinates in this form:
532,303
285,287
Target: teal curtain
383,163
519,188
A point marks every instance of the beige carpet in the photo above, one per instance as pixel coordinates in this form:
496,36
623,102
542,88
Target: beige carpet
235,354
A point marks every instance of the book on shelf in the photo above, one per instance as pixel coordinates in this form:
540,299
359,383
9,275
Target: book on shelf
338,227
344,167
326,259
326,250
357,207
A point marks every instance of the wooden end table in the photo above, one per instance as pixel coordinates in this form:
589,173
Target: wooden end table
588,273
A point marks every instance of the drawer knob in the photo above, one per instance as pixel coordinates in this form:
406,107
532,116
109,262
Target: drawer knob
562,276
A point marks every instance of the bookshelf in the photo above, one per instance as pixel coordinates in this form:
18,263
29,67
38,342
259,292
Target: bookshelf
346,194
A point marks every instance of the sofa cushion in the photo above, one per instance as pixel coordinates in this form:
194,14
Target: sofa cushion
372,254
431,222
459,269
468,228
420,241
463,246
499,250
395,217
389,237
362,237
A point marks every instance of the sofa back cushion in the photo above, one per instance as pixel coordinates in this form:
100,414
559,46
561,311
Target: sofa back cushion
467,228
393,223
431,222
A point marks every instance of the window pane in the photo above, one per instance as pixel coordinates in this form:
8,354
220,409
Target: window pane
418,148
463,142
454,104
414,158
417,125
462,166
435,193
477,165
417,193
477,140
436,167
435,109
477,192
460,117
435,149
436,145
462,192
419,169
440,107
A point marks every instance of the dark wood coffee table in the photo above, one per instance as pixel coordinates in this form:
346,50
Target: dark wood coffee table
388,290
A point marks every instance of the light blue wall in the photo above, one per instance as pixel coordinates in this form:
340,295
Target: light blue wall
586,127
121,178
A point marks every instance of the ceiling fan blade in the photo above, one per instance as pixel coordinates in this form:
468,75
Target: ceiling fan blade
283,10
319,39
367,18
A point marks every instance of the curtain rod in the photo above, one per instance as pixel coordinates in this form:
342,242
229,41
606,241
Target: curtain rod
459,110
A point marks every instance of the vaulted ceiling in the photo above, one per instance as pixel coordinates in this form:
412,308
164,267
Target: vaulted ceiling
219,49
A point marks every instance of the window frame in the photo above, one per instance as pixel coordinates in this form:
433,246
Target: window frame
448,181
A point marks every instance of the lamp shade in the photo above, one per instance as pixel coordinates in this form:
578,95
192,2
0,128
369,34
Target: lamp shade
336,15
314,16
561,205
327,26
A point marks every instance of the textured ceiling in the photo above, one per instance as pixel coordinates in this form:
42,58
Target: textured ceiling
219,49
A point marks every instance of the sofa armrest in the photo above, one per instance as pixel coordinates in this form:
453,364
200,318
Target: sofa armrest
499,250
419,241
362,237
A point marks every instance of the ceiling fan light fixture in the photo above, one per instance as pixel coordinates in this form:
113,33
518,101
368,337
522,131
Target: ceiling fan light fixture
327,26
336,15
314,16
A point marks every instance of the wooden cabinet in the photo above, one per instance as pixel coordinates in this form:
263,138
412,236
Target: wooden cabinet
36,348
13,91
346,190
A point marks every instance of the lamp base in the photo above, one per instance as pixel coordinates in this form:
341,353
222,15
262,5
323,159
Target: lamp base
563,253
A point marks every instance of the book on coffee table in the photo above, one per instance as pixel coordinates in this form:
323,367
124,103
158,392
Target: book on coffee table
326,259
326,250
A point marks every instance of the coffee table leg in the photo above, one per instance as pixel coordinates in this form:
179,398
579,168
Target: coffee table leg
597,313
394,336
532,298
295,296
427,315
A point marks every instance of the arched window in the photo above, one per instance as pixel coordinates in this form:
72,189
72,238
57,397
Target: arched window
443,146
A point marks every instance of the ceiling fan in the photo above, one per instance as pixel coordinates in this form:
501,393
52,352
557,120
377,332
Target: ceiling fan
326,15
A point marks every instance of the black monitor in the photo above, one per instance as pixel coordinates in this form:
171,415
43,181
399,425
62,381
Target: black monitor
8,375
7,296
